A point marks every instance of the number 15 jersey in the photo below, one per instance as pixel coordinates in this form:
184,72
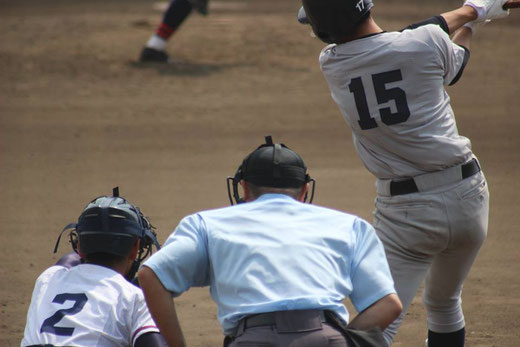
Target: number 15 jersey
86,305
390,90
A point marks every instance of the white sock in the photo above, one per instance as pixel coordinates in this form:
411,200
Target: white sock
156,42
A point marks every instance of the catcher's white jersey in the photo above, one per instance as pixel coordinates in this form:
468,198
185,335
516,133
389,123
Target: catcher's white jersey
390,90
86,305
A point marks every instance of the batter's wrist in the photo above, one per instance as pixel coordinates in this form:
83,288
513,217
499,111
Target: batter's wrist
471,26
473,12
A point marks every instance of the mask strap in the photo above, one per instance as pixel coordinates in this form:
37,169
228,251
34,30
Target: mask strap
67,227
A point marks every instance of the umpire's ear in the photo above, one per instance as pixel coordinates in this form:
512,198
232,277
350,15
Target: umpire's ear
248,195
303,192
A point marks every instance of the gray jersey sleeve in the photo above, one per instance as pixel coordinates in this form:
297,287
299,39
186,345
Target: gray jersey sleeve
453,57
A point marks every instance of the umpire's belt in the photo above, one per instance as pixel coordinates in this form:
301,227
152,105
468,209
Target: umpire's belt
284,321
428,181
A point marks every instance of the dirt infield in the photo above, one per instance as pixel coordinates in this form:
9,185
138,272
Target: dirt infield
79,116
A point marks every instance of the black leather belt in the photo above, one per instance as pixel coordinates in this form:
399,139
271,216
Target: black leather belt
264,319
408,186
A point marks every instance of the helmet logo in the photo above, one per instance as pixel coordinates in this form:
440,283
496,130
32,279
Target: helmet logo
360,5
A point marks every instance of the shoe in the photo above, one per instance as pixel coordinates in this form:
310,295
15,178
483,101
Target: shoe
151,55
201,6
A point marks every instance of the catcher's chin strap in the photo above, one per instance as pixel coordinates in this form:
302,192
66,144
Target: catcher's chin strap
72,237
144,251
130,275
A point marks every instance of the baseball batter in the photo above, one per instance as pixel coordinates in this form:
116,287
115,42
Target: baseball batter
91,303
432,203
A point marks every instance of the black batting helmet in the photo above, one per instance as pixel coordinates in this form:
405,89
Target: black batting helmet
271,165
112,225
332,20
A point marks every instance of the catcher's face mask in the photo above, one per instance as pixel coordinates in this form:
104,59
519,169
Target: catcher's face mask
270,165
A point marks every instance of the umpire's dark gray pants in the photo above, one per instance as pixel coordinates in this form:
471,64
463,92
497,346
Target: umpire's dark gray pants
302,328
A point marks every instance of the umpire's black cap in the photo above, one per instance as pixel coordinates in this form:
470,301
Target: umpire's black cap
274,165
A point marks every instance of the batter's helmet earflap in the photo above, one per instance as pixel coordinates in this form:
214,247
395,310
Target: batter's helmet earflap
333,20
112,225
270,165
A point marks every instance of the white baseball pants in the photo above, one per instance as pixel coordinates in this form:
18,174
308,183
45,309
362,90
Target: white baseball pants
433,235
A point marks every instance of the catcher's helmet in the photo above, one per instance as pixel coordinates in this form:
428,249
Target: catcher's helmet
332,20
111,225
270,165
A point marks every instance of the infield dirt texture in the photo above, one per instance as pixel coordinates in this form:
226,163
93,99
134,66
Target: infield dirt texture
78,116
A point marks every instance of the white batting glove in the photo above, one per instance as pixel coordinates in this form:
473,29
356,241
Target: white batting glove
488,9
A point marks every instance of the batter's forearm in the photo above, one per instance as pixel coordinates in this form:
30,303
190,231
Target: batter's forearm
462,37
162,307
457,18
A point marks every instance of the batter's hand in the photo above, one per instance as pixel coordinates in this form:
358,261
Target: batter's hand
488,9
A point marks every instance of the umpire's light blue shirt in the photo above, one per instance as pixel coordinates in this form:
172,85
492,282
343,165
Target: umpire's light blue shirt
275,254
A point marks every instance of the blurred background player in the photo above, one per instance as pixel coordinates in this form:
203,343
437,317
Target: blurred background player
433,202
178,10
88,301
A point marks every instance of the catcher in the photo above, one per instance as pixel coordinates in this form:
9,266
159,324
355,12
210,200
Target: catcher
277,268
88,301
